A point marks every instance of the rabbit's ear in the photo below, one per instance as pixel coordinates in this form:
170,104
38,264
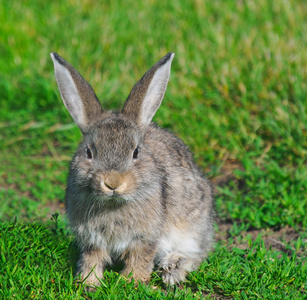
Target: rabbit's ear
146,96
78,96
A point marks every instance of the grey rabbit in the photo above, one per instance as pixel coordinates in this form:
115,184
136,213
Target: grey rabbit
134,193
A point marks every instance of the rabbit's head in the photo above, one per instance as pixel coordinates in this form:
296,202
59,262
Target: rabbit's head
112,160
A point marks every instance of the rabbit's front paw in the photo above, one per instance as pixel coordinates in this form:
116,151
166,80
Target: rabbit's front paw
91,281
91,266
136,275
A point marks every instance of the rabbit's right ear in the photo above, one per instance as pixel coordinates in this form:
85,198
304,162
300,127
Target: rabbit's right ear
147,94
78,96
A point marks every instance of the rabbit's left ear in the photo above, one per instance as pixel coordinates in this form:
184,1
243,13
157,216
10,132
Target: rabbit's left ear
78,96
146,96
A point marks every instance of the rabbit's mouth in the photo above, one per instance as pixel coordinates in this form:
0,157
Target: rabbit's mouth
113,198
107,195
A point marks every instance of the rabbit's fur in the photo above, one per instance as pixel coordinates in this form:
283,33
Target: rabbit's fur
133,192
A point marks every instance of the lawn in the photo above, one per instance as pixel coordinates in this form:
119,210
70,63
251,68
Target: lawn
237,96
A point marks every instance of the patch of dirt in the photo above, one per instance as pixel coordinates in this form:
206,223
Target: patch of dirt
278,240
57,207
227,172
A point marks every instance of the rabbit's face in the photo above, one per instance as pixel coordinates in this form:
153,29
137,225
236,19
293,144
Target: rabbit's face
108,157
115,159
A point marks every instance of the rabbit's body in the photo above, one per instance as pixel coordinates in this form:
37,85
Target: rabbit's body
134,192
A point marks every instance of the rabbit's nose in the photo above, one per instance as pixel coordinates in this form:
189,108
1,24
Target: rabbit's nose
113,181
111,186
119,188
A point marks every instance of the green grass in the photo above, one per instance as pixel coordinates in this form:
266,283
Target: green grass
38,262
237,97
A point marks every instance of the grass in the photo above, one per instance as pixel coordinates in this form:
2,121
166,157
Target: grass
237,97
38,261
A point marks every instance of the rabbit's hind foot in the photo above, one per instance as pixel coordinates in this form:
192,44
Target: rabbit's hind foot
175,267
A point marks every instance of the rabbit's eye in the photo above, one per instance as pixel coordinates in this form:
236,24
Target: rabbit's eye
89,153
135,153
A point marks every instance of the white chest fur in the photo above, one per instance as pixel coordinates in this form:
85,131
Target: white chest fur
111,236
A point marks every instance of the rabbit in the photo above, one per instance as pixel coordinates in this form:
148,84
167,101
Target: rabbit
133,193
